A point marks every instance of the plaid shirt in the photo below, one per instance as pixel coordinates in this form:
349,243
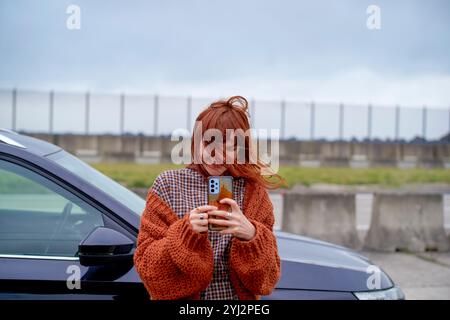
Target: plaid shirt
186,189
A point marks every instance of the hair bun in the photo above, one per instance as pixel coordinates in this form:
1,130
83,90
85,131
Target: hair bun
238,102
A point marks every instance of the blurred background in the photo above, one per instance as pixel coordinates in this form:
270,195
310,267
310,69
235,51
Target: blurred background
358,91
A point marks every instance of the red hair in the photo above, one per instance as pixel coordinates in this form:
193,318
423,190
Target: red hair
233,114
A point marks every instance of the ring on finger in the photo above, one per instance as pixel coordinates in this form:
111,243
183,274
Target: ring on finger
229,215
202,216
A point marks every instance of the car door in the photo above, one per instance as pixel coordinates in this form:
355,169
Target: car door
42,221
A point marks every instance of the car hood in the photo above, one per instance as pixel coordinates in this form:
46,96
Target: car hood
317,265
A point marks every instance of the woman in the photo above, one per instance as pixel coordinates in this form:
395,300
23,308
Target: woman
177,257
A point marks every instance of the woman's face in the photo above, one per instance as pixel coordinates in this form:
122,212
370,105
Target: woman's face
214,169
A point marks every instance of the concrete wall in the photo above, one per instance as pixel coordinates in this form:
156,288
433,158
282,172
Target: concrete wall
305,153
407,222
401,220
325,216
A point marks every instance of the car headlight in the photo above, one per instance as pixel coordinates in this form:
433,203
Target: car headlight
394,293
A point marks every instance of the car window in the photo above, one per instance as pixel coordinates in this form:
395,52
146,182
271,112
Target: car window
98,179
39,217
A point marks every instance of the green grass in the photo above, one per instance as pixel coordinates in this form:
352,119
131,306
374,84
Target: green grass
386,177
143,175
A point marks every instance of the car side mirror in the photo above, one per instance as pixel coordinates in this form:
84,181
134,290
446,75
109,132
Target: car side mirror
105,246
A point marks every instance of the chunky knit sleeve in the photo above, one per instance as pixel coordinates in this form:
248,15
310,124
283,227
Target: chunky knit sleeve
173,261
256,262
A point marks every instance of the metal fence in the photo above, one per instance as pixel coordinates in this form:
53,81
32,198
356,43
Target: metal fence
93,113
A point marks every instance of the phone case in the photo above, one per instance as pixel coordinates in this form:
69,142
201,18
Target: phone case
219,187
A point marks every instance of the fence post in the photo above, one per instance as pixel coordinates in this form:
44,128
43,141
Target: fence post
122,114
252,112
87,102
50,111
341,121
189,113
14,109
283,120
369,121
448,134
155,116
397,122
424,122
312,120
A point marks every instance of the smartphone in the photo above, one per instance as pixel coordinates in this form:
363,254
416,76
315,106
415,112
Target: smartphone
219,187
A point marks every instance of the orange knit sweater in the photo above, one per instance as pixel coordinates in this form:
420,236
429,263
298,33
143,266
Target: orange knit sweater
175,262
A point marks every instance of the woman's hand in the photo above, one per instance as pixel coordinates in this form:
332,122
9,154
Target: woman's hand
237,223
198,218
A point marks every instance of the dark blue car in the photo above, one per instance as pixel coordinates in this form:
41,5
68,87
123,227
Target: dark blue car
69,232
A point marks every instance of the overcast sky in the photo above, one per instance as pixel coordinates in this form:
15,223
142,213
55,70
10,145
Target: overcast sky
297,50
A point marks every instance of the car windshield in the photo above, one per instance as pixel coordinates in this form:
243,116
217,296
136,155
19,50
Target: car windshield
98,179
